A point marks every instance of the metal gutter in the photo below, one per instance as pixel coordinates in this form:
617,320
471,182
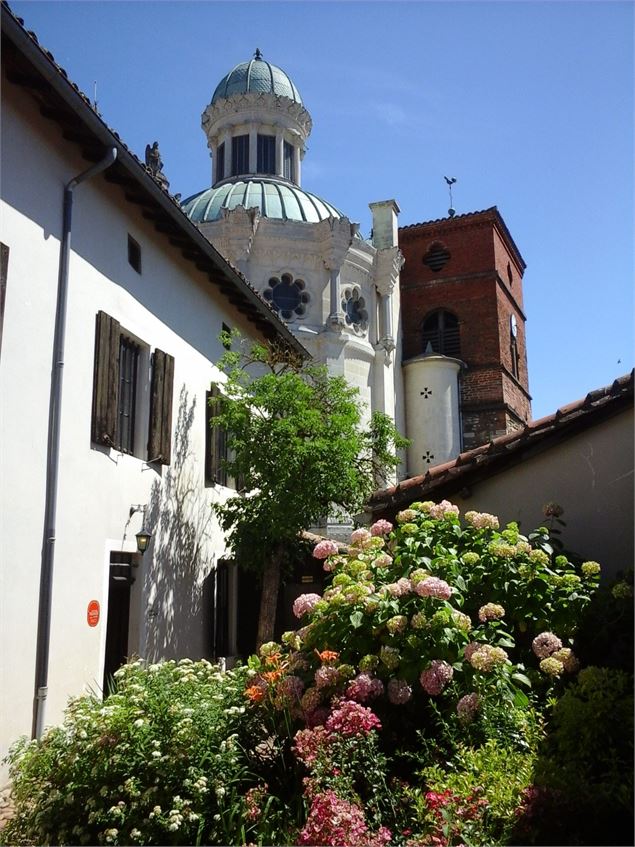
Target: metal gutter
53,450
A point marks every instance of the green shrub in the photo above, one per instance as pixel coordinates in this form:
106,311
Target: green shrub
157,762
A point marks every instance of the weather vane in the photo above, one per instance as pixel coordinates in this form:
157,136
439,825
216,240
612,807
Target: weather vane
450,181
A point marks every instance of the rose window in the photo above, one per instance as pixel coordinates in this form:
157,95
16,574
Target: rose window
354,308
287,296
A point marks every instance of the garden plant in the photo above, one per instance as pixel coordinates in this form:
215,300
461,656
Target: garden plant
410,707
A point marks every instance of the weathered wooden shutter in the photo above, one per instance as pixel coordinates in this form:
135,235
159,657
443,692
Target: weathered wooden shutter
160,436
106,380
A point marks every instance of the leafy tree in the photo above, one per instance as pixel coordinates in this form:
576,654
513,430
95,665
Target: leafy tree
297,441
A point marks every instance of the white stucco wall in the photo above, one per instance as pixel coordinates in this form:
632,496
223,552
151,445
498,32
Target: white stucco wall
170,306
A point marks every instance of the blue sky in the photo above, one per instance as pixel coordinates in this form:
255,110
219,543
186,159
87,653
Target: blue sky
528,104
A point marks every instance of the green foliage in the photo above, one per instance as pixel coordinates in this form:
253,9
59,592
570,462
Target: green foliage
493,775
298,441
158,762
590,743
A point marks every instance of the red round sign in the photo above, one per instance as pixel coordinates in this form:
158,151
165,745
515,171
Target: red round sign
92,613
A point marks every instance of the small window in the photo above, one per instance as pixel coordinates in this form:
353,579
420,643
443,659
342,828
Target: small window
134,254
515,358
266,154
287,296
220,162
510,276
441,334
436,257
289,168
240,155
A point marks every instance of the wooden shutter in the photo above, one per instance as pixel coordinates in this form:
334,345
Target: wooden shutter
106,380
215,442
160,437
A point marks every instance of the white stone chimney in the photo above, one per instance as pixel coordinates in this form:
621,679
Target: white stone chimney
385,214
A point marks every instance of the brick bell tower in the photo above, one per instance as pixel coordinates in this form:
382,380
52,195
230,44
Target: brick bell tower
462,297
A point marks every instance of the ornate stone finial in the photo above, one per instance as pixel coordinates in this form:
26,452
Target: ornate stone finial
155,165
257,54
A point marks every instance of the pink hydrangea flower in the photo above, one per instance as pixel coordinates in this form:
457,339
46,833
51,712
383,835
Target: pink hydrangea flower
471,648
305,603
350,718
397,625
382,561
324,548
433,587
316,717
482,520
435,677
440,510
490,612
545,644
288,692
381,527
467,707
326,676
360,688
399,692
376,688
399,588
487,657
360,537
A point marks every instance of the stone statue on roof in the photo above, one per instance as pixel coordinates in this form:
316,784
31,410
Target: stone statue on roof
155,165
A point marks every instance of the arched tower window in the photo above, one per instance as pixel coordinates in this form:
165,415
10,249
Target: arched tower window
441,333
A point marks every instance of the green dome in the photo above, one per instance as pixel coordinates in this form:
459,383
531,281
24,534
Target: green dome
256,75
274,198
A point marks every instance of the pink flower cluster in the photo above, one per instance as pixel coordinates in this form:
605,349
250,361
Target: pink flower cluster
467,707
364,687
309,743
399,692
482,520
253,799
485,657
350,718
399,588
440,510
382,561
545,644
305,603
326,676
490,612
435,677
360,537
324,548
381,527
333,821
432,586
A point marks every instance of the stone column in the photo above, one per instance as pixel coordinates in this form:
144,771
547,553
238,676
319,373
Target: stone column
297,168
279,153
227,139
335,235
253,149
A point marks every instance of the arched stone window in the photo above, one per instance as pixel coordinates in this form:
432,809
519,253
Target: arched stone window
441,333
287,296
354,308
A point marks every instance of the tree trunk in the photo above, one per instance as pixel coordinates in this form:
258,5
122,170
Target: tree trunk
269,597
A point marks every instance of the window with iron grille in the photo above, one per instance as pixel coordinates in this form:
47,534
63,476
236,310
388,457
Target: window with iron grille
128,359
240,155
266,154
441,334
220,162
288,166
513,349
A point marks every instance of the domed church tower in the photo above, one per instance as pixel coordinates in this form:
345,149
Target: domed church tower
336,291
